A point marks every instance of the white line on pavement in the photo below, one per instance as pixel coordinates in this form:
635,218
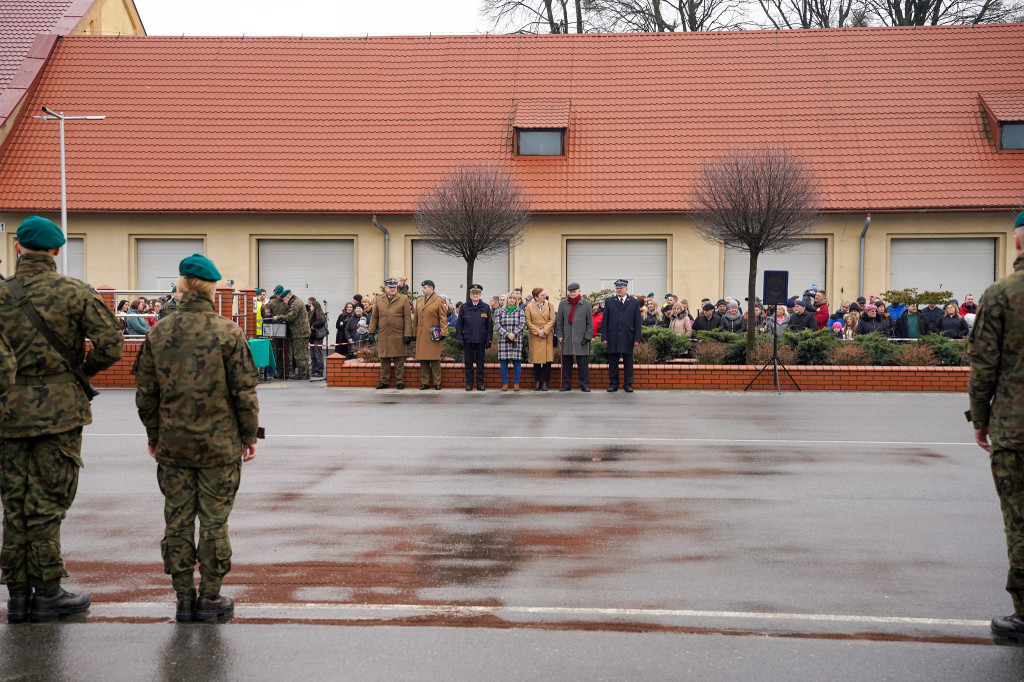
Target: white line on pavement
573,611
780,441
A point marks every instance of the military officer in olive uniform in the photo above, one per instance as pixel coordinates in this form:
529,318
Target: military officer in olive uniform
391,321
294,313
196,394
41,419
431,313
474,330
996,390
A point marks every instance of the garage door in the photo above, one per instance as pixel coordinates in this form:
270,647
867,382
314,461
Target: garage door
158,261
597,263
805,263
76,257
449,273
962,266
321,268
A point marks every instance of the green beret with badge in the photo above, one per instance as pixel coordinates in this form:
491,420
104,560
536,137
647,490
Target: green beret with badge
200,267
40,234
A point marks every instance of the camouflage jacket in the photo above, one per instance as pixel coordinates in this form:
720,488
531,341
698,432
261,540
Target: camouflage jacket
8,364
195,387
73,312
996,351
297,317
273,306
167,308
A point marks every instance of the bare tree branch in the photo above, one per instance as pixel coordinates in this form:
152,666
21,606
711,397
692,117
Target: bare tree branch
473,212
759,200
539,16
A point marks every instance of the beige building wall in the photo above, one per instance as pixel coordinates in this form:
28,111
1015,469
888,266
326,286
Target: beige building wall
111,17
694,270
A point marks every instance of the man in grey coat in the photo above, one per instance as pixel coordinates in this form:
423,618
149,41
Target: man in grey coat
574,329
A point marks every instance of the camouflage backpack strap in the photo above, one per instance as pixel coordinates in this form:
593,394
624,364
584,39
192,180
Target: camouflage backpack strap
62,350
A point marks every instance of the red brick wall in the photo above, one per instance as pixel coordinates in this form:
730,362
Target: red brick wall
341,372
119,375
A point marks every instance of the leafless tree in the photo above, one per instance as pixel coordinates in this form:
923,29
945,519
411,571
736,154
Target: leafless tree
539,16
757,199
668,15
473,212
934,12
814,13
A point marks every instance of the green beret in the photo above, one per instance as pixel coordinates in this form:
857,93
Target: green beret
40,234
285,292
427,283
199,266
278,290
1019,222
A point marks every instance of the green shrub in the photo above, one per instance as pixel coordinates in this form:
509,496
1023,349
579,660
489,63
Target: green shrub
811,347
950,352
667,343
879,347
450,348
598,352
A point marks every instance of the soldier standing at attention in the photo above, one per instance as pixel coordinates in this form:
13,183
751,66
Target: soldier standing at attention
474,330
294,313
996,390
391,321
41,419
431,314
196,394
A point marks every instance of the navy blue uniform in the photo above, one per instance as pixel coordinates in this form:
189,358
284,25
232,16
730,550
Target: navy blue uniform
620,329
474,328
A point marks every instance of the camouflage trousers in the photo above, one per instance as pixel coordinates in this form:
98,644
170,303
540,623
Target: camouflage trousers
300,356
38,482
1008,472
209,494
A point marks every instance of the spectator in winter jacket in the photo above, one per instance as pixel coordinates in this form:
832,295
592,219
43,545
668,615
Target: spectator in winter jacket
733,321
932,314
808,297
969,306
871,322
678,320
802,319
649,314
910,325
708,320
779,322
850,323
821,309
951,324
840,313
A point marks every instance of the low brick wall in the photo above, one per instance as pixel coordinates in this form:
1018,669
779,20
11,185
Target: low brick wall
120,374
356,373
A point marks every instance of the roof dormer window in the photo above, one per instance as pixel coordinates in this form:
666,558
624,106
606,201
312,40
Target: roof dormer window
1011,135
1005,113
540,127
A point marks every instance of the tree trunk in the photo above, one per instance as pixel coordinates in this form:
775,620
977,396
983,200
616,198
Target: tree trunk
751,315
469,275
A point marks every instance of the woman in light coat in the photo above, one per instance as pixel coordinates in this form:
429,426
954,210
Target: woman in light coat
679,321
509,323
540,320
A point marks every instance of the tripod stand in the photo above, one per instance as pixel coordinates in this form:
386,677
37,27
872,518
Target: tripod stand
774,362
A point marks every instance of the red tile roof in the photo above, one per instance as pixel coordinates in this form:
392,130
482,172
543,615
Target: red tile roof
20,22
542,113
1006,105
889,118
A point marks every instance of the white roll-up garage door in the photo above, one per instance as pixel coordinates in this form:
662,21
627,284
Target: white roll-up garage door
321,268
158,261
961,265
449,273
805,263
76,257
597,263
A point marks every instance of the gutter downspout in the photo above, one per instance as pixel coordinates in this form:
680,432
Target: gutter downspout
867,224
387,240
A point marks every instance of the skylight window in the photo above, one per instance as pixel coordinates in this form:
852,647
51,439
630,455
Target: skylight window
541,143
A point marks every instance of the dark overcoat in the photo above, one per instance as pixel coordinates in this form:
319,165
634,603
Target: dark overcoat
620,326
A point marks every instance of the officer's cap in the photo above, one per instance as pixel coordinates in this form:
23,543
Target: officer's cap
199,266
391,282
40,234
476,289
621,283
1019,222
427,283
278,290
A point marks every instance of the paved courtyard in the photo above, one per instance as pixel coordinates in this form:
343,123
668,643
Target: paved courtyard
401,535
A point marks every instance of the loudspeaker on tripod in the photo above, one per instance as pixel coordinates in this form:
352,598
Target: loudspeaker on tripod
776,287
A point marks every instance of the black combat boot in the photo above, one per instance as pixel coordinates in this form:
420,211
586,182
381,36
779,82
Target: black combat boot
18,605
209,607
49,604
186,605
1008,628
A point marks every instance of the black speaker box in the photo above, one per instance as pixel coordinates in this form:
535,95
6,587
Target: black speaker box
776,287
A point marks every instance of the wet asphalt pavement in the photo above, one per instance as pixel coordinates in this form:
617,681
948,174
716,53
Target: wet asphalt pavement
401,535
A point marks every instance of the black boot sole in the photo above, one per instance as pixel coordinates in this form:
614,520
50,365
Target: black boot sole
1000,635
183,616
53,614
17,616
205,616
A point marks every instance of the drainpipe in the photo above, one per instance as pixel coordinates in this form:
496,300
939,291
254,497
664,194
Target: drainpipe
867,224
387,240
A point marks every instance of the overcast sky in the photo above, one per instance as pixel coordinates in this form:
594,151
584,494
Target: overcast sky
310,17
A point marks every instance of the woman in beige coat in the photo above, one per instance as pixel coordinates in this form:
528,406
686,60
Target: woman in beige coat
540,320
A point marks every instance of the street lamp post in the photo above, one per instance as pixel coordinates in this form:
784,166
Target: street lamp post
54,116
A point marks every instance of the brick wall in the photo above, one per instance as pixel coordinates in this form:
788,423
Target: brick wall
354,373
119,375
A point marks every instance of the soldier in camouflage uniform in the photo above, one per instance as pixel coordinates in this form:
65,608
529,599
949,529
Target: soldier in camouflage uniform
297,317
171,305
196,394
997,412
271,308
41,419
